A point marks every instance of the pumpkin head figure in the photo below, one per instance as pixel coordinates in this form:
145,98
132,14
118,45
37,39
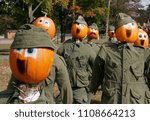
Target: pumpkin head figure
126,29
111,32
143,39
31,65
93,32
47,24
79,28
31,54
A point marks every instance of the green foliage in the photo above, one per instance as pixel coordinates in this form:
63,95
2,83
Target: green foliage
47,6
59,10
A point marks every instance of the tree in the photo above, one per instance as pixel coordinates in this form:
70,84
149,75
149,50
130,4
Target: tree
130,7
92,10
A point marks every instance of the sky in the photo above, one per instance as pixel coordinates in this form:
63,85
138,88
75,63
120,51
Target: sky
145,3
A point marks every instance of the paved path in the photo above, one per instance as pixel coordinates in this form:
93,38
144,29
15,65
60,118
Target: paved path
5,41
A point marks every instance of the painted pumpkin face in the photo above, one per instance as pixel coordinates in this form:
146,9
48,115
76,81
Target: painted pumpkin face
79,31
47,24
93,33
31,65
111,34
142,39
127,32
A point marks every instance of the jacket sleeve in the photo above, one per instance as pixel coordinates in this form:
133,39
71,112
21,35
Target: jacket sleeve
98,71
147,64
4,95
60,50
92,57
63,82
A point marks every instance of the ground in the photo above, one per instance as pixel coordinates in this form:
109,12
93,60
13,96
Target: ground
5,73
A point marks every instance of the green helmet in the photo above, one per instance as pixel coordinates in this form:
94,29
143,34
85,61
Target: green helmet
81,20
122,19
29,36
94,26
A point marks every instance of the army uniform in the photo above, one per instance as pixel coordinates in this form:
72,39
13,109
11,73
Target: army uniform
78,57
119,68
90,41
113,39
92,45
58,74
92,37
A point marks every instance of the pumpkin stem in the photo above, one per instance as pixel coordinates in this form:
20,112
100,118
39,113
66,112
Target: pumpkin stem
44,13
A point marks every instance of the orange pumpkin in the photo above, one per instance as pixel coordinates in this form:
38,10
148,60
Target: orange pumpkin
93,33
78,30
47,24
111,34
127,32
142,39
31,65
145,29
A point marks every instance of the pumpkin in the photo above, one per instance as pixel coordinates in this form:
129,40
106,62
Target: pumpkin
145,29
78,30
47,24
127,32
111,34
142,39
31,65
93,33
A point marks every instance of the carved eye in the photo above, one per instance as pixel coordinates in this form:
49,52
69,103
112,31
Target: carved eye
81,25
18,50
144,36
41,20
31,52
140,35
132,25
47,23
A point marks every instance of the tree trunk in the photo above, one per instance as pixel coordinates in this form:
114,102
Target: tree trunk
30,13
107,20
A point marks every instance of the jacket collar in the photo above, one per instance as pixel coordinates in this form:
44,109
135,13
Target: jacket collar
126,45
78,43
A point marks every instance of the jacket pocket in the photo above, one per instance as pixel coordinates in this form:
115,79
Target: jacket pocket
134,97
137,70
82,61
82,78
110,92
147,97
110,68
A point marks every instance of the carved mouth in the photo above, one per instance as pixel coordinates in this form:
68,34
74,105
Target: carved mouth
112,33
128,33
21,66
92,33
77,31
142,42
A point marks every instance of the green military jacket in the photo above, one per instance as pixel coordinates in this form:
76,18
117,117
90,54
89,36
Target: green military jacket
119,69
113,39
78,57
58,74
94,46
